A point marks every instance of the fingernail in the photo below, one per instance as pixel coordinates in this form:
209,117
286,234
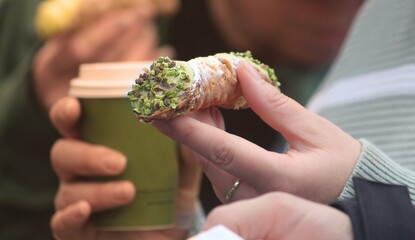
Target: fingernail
123,192
252,72
82,211
113,163
69,107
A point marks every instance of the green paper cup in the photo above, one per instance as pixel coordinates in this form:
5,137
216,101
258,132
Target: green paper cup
108,119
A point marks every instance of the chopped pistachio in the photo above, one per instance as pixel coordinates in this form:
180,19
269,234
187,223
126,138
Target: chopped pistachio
165,83
159,87
270,71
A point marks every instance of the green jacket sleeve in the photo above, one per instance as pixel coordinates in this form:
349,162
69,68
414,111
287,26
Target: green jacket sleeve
27,181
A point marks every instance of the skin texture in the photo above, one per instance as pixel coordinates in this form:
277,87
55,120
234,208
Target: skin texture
76,199
316,166
281,216
122,35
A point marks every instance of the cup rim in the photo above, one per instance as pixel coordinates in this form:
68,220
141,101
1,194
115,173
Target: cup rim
106,80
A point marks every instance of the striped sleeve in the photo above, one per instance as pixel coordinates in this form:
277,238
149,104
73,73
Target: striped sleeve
370,93
375,165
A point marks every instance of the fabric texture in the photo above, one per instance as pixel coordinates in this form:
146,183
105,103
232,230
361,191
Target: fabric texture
380,211
374,77
27,181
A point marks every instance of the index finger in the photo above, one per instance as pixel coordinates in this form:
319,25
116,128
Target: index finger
229,152
279,111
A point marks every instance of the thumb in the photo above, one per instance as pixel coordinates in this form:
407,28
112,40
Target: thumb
280,112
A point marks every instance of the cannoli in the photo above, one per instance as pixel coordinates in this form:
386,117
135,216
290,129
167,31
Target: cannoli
170,88
57,16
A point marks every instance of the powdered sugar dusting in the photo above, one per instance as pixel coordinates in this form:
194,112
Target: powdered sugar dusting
204,68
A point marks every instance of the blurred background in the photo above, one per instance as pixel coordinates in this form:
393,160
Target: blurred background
298,38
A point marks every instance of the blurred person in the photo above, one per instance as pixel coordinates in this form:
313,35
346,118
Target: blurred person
34,73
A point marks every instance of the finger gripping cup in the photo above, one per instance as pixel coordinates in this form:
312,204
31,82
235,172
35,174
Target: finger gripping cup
107,119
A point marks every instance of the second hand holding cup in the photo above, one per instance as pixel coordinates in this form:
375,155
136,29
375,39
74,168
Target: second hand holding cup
108,119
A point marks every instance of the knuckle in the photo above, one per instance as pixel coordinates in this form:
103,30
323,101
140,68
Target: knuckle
90,162
222,153
77,52
61,199
102,196
218,213
64,222
221,214
54,154
280,200
189,131
96,198
277,100
54,224
203,163
187,134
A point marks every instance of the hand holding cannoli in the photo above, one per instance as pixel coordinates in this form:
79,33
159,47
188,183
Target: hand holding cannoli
170,88
57,16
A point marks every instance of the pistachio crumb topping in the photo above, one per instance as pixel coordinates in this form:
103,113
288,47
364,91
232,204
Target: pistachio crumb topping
159,87
270,71
166,83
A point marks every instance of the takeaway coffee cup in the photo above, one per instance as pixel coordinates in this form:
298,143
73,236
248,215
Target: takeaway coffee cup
108,119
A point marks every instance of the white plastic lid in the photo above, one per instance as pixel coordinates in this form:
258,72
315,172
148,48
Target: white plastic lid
106,80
